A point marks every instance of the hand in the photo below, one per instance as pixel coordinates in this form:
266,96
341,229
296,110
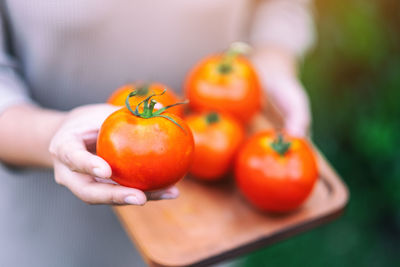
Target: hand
277,71
84,173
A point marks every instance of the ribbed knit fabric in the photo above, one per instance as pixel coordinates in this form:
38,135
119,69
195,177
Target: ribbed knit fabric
64,53
42,224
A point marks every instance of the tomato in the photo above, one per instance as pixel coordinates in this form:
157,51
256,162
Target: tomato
147,150
225,82
168,98
276,173
217,138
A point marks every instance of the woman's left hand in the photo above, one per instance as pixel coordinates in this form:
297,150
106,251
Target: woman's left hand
277,71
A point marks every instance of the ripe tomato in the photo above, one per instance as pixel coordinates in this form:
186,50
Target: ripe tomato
168,98
276,173
150,150
225,82
217,138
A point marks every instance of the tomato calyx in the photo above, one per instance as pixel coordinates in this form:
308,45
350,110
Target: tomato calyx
212,117
235,49
143,89
280,146
148,108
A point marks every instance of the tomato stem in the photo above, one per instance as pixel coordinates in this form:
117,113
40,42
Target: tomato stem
147,112
235,49
212,118
280,146
148,108
143,89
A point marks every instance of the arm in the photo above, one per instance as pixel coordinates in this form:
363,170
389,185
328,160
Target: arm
15,105
281,33
25,134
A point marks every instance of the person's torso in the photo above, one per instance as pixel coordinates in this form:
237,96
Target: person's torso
75,52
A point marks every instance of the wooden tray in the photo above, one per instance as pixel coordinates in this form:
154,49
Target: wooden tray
212,222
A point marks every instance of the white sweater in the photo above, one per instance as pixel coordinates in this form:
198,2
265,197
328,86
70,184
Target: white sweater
64,53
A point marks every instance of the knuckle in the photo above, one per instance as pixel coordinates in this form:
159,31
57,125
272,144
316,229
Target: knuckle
72,160
59,152
116,199
58,181
52,151
72,167
87,196
66,156
52,148
78,162
58,178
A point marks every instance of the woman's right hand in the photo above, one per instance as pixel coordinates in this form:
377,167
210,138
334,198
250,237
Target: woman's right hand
84,173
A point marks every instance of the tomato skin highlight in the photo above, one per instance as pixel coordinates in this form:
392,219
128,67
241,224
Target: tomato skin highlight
238,92
272,182
147,154
216,145
168,98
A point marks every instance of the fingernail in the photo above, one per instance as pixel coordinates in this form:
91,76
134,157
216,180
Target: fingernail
174,191
168,196
98,172
133,200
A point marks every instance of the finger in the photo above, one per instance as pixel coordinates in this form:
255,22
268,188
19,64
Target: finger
298,114
100,193
296,126
170,193
292,100
92,192
74,154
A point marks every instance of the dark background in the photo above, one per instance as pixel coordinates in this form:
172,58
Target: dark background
353,79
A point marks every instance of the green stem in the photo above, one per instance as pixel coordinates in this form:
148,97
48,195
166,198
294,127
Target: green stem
225,67
148,108
280,146
143,89
148,112
212,118
235,49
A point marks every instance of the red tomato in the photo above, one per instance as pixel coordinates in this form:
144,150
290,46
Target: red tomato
227,83
147,150
276,173
168,98
217,138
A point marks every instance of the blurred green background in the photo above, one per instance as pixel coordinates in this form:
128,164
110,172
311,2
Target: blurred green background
353,79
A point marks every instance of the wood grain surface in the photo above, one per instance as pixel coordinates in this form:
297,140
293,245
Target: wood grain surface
212,222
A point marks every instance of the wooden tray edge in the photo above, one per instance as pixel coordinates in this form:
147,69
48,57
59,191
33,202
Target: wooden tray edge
337,206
